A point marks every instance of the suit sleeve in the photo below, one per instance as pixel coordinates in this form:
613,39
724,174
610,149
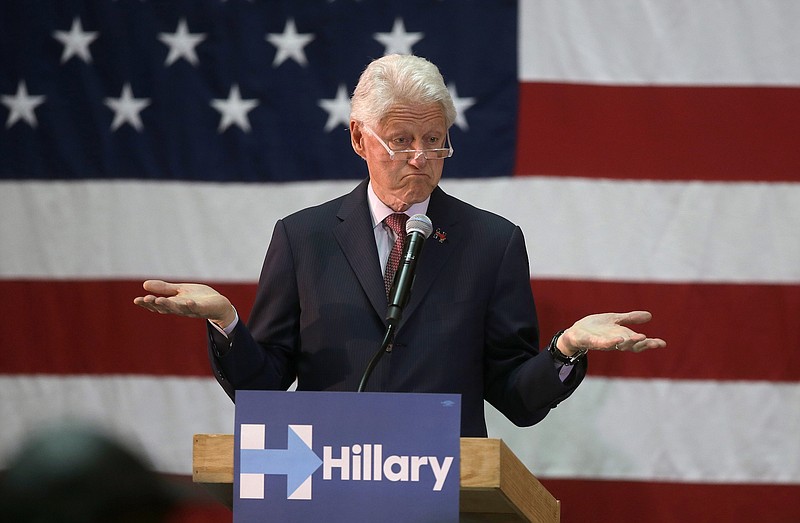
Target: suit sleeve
260,355
520,381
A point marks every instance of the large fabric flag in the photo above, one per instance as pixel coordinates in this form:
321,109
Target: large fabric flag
648,149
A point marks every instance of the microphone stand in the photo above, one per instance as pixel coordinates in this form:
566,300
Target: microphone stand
418,227
387,341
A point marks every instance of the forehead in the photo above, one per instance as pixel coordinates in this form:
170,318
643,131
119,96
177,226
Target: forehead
422,117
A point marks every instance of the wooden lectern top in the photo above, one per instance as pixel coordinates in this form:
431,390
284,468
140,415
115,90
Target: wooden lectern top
495,485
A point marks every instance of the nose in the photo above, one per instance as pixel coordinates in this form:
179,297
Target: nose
419,157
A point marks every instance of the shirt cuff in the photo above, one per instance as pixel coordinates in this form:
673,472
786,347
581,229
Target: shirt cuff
563,370
227,330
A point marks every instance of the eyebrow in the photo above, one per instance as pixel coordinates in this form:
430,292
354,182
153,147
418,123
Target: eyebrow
403,131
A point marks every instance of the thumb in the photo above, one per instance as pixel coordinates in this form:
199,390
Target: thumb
160,287
634,317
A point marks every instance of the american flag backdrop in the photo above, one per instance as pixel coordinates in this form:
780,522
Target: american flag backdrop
649,149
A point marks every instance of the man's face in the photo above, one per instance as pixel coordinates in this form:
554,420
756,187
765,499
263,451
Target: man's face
398,183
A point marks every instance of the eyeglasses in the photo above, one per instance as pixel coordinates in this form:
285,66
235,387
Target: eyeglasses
412,154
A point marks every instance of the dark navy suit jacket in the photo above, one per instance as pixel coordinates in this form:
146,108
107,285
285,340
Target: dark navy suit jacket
469,326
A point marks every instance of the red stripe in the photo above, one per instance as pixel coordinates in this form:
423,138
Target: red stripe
585,501
713,331
634,502
727,332
670,133
93,327
201,514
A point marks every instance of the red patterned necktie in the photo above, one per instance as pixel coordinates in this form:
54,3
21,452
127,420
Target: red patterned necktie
397,222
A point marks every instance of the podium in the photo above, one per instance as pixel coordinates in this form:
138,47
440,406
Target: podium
495,486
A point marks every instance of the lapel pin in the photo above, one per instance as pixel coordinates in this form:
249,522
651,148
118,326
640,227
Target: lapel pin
440,235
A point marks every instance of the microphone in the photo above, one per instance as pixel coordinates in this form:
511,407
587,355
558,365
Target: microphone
418,228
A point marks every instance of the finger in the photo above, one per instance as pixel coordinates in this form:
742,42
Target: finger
161,287
619,345
144,301
656,343
632,337
629,341
173,305
647,344
634,317
140,301
181,307
149,302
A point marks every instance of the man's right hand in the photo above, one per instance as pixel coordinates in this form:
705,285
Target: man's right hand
192,300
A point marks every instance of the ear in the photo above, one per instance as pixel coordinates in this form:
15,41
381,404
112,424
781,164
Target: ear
357,138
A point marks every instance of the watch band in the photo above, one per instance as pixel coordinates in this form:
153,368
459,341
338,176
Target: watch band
560,356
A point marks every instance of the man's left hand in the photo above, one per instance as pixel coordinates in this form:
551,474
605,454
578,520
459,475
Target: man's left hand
608,331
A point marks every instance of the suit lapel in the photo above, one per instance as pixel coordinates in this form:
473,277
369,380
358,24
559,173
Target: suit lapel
357,241
355,236
434,253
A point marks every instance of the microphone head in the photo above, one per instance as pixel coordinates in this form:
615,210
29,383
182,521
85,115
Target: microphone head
421,224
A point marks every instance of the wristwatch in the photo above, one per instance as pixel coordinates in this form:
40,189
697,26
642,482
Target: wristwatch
560,356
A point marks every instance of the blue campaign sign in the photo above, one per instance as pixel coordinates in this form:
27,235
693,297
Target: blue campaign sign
345,456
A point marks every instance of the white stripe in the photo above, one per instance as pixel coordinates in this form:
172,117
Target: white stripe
575,228
665,430
649,231
124,229
692,42
157,417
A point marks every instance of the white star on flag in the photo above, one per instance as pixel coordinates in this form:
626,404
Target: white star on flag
398,41
290,44
76,41
462,104
181,44
21,106
127,108
234,110
338,109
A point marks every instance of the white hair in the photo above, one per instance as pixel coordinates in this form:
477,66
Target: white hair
399,79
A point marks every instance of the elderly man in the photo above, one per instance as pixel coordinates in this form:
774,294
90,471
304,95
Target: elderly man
470,324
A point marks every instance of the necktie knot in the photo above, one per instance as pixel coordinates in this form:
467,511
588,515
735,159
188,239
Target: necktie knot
397,223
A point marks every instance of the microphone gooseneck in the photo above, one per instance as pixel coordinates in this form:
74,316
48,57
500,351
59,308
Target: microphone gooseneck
418,228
